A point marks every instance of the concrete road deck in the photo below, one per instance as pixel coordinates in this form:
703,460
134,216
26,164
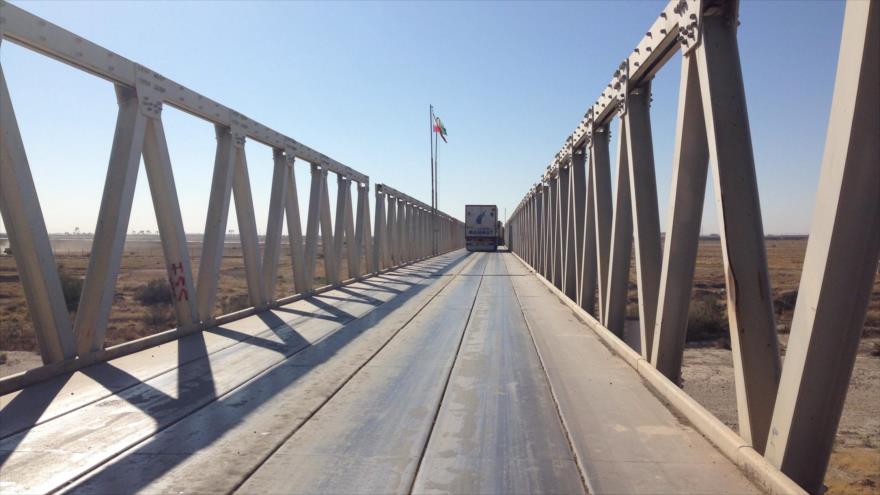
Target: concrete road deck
460,374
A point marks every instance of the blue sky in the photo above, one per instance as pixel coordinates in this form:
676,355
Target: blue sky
354,80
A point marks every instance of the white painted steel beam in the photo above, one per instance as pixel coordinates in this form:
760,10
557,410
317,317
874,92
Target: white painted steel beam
294,228
352,251
586,235
546,229
312,227
380,240
406,232
749,301
689,168
29,241
215,223
840,265
275,224
555,233
646,218
247,226
166,205
331,258
603,212
569,248
620,253
42,36
99,287
142,94
391,227
677,25
342,238
362,235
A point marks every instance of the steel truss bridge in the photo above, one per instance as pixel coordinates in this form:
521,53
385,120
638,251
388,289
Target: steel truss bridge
419,367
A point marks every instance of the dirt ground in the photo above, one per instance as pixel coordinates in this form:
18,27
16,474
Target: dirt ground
708,367
142,262
855,462
707,372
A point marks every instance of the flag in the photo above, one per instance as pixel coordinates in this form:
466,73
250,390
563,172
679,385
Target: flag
439,129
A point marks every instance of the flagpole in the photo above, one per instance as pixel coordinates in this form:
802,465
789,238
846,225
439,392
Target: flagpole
433,203
436,173
436,165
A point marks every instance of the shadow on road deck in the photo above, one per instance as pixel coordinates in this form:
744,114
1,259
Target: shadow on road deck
132,471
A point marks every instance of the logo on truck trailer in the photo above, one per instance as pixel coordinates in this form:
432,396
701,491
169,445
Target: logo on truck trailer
481,227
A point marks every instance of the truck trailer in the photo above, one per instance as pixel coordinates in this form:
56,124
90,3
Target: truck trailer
481,227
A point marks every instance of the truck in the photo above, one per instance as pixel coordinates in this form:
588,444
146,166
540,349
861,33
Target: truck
481,227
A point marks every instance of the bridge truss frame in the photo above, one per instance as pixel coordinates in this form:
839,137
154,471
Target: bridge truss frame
568,230
402,238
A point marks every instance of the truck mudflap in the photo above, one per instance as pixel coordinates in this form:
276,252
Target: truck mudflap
481,244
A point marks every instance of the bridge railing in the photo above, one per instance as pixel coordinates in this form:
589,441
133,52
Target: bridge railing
568,230
404,226
406,235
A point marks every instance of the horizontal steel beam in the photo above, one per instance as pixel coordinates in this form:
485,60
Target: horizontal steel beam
676,27
390,191
30,31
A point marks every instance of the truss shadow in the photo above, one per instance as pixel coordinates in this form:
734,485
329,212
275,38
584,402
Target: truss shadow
197,393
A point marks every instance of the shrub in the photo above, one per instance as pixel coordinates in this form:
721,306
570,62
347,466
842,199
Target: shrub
785,301
231,304
706,321
155,292
159,316
71,287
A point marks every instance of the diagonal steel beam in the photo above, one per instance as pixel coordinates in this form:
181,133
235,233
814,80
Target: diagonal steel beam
99,287
749,301
29,241
840,264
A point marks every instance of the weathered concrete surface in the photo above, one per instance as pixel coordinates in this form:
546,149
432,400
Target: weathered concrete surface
626,440
370,436
497,430
458,374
